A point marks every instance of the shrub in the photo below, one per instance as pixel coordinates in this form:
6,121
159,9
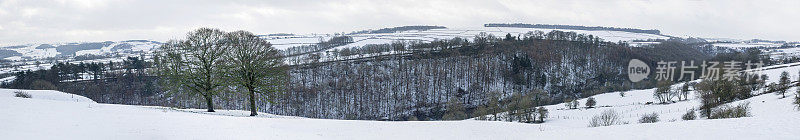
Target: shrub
783,84
607,118
713,93
649,118
481,112
455,110
575,104
590,102
797,98
571,104
689,115
42,85
22,94
726,111
797,101
542,114
413,118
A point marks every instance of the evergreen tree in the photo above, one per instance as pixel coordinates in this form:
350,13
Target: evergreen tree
590,102
542,114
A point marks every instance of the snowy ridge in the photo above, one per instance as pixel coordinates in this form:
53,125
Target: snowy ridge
46,95
449,33
31,52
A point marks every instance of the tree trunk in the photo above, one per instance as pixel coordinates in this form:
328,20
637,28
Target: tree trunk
252,103
209,103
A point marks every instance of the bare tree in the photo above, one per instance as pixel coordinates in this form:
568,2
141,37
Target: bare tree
254,65
606,118
194,64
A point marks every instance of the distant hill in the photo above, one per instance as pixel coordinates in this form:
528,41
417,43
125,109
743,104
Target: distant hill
38,52
9,53
572,27
398,29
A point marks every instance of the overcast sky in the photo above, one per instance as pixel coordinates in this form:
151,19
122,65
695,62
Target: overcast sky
35,21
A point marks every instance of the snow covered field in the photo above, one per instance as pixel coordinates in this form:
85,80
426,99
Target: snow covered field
58,115
66,119
449,33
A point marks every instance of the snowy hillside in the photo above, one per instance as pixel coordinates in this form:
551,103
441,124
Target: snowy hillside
61,117
46,95
447,33
43,56
40,51
633,105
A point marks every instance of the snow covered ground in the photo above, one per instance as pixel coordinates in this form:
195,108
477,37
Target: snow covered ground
58,115
449,33
66,119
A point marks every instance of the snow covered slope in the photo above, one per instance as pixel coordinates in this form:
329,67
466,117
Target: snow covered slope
41,51
46,95
47,119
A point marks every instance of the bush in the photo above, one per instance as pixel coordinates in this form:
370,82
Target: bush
481,112
590,102
689,115
575,104
455,110
741,110
607,118
649,118
413,118
22,94
783,84
713,93
663,92
542,114
42,85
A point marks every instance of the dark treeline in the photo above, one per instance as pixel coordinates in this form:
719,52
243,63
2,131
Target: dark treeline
572,27
397,29
126,82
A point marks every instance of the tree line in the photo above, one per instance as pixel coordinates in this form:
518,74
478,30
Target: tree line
573,27
63,71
